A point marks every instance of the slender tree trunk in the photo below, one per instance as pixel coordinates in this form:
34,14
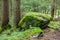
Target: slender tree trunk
0,10
17,12
53,9
5,12
52,12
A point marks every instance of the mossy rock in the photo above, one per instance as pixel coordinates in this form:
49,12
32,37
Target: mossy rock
35,19
32,31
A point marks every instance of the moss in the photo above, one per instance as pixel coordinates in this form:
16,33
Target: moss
32,22
17,35
0,29
34,19
7,26
54,24
32,31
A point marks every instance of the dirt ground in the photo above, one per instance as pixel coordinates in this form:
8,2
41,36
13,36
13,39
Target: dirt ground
50,35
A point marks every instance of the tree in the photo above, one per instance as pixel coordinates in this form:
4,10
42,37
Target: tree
5,13
17,12
53,9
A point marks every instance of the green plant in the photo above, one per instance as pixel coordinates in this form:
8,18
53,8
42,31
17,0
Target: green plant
0,29
19,35
54,24
32,31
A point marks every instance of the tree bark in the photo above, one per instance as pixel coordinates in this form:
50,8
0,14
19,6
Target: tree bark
17,12
53,9
52,12
5,12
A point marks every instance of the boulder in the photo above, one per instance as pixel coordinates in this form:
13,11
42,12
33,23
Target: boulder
35,19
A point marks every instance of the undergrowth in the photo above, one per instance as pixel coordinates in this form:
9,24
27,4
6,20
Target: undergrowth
20,35
54,24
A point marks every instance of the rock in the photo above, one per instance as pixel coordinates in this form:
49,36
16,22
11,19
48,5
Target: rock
35,32
35,19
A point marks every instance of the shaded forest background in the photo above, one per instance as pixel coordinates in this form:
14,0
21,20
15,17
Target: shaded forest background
12,11
42,6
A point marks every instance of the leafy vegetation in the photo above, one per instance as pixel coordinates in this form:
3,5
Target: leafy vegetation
54,24
29,30
20,35
32,23
31,5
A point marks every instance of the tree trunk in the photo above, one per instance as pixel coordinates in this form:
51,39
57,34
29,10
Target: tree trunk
5,12
52,12
53,9
17,12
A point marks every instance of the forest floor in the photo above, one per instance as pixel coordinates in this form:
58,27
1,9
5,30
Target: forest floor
50,34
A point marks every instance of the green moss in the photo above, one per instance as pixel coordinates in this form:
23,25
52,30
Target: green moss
34,19
0,29
7,26
32,31
54,24
18,35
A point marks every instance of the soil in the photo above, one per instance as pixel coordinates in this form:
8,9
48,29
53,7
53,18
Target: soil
50,35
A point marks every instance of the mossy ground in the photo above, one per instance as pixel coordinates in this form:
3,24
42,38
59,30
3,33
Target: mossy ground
54,24
19,35
22,35
25,34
